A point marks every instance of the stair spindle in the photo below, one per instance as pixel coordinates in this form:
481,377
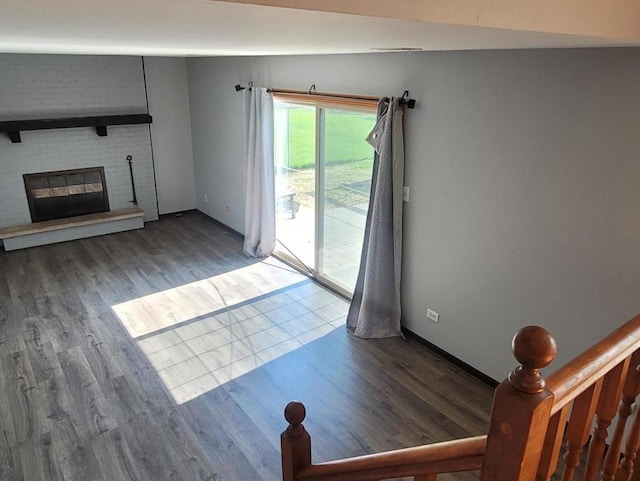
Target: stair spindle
631,447
580,422
635,475
605,412
552,445
629,394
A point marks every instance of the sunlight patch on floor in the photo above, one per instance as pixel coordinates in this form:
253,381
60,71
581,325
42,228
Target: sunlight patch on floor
167,308
198,341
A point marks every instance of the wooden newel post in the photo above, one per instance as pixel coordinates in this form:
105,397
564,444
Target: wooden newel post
521,411
295,442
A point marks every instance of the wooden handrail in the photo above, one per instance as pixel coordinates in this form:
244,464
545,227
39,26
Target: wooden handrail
444,457
578,375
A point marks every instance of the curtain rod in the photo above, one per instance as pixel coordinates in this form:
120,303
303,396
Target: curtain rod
404,100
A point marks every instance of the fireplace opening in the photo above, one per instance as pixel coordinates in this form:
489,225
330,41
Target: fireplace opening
66,193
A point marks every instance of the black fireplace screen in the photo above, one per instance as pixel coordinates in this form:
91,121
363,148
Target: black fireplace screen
68,193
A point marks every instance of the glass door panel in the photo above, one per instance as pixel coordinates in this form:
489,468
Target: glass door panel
346,164
295,163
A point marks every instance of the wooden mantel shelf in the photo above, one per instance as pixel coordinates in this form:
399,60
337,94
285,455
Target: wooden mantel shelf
14,127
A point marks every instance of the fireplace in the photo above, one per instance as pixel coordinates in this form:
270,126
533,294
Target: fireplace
67,193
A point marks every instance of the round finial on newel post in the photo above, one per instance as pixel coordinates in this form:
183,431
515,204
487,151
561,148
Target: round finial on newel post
534,348
295,413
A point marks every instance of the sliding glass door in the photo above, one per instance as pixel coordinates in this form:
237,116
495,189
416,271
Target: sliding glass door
323,180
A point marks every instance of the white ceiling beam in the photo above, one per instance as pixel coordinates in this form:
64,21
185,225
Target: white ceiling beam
613,19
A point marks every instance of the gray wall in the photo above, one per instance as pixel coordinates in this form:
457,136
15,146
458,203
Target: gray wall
524,169
171,132
217,134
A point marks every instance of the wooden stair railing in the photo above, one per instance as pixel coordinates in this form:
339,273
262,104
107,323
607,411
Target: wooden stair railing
422,462
594,386
533,422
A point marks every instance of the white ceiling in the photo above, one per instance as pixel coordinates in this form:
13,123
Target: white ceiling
206,28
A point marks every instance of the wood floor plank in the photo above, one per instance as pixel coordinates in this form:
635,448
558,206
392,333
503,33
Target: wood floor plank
128,404
74,456
219,447
25,411
39,462
116,460
9,345
149,446
184,449
7,428
58,400
242,432
44,362
10,466
89,399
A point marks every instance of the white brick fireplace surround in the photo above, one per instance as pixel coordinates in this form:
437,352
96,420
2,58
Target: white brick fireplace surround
48,86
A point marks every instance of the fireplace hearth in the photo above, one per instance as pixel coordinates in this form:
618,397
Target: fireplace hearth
67,193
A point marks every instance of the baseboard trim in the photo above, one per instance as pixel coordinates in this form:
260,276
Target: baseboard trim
177,213
472,371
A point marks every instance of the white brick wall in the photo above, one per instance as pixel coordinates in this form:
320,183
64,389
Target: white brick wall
36,86
50,86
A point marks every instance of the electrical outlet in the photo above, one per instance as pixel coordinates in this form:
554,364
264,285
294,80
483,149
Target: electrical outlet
433,315
406,193
206,198
226,207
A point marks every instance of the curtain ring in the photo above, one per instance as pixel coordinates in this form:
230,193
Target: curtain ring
312,88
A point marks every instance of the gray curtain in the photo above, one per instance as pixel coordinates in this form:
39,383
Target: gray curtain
259,180
375,308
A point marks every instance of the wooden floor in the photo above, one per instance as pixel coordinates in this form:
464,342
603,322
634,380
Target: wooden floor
166,354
